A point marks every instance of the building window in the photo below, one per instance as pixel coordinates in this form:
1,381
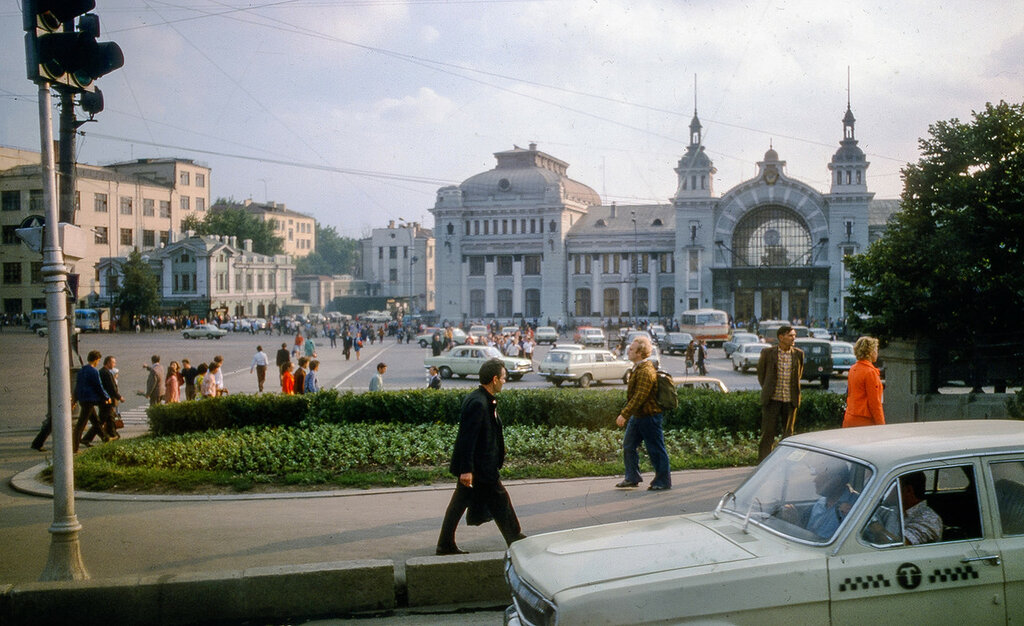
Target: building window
259,282
12,305
10,236
12,201
405,252
487,227
476,303
513,226
248,281
531,302
12,273
504,303
148,207
667,306
102,234
148,238
126,237
99,203
35,200
504,227
640,301
476,266
531,264
393,252
184,203
693,272
533,226
36,272
667,263
380,252
200,180
165,237
200,204
183,178
772,236
126,205
393,275
165,208
504,266
476,227
611,302
467,228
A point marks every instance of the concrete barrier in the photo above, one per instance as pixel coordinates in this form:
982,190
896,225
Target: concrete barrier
279,592
457,579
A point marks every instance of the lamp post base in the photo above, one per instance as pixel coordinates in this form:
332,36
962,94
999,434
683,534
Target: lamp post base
65,559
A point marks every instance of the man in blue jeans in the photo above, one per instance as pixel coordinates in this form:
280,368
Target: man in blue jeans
644,421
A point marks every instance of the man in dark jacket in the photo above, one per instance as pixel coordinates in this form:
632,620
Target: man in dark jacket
479,454
90,394
108,412
779,370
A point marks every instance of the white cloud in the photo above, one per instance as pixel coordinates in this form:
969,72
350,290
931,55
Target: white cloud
423,107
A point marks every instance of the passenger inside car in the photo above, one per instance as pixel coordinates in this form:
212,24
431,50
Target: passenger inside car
918,524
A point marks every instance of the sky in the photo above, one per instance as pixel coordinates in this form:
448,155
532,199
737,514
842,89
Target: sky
357,111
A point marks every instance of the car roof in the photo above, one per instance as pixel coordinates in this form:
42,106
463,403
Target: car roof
894,444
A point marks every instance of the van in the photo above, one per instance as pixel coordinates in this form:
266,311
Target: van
817,359
37,319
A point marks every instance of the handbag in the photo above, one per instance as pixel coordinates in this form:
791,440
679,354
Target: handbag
118,422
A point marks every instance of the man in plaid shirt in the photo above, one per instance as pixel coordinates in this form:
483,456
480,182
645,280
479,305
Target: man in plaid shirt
642,418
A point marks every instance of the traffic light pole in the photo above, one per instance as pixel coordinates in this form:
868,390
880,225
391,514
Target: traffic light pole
65,558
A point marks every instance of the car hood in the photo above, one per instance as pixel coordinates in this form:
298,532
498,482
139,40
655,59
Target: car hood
560,561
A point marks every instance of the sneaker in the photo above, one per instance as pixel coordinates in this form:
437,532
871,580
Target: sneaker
626,484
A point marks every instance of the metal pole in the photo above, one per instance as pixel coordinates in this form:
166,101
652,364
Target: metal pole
65,558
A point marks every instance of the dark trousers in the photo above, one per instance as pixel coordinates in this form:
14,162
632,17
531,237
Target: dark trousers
261,376
772,415
496,499
86,415
107,429
190,391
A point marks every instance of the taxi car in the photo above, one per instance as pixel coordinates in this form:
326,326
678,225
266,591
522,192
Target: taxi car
465,361
825,531
210,331
583,367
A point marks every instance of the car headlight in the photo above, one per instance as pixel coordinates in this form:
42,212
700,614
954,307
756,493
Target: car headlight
533,608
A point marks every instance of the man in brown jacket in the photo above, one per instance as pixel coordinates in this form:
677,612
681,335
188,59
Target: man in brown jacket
779,371
642,418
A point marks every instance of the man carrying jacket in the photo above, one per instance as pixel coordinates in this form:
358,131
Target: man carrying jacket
478,455
779,370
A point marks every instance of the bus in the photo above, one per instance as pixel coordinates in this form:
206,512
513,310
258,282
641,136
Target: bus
88,320
711,325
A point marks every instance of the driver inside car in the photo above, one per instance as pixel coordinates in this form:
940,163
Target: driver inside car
836,498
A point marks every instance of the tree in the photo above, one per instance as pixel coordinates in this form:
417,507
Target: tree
139,293
228,219
949,266
334,254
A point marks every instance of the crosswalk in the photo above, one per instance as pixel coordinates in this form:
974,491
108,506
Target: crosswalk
135,416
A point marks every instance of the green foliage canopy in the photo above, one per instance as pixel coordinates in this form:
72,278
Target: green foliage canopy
334,254
949,266
139,293
232,219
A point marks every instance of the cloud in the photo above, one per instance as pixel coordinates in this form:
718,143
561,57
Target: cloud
429,34
423,107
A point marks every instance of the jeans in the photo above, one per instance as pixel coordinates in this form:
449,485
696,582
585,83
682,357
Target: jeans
646,429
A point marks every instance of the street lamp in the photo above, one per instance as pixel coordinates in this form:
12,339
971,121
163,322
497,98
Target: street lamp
412,281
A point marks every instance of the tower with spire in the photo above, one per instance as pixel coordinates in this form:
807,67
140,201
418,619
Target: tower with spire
695,171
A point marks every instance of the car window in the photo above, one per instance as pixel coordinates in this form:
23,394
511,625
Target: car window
801,494
947,510
557,357
1008,478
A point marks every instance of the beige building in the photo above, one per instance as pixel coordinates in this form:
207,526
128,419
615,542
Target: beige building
398,262
298,231
135,204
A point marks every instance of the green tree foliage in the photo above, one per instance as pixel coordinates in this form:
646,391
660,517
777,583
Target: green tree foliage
334,254
225,218
949,266
139,293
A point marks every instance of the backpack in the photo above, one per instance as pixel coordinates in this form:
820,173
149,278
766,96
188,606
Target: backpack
665,393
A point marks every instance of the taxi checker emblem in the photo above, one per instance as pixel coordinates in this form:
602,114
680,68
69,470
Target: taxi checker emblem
908,576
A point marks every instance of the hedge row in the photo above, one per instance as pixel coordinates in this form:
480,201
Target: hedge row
586,408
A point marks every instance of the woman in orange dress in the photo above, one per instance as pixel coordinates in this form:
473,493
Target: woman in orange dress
287,379
864,387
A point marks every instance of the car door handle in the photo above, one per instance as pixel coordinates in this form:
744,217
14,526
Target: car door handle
994,559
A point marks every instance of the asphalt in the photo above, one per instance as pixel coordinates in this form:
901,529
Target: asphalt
155,535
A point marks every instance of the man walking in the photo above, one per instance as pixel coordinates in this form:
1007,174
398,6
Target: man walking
259,363
476,460
189,373
155,382
312,382
90,394
108,411
377,382
283,356
779,370
642,418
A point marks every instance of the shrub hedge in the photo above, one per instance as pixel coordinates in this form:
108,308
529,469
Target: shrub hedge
587,408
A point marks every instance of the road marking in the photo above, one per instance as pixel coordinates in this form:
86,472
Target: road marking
359,369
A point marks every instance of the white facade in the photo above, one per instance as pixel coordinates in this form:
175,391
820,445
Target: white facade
399,262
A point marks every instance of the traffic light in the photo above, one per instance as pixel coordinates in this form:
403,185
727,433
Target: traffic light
72,58
91,102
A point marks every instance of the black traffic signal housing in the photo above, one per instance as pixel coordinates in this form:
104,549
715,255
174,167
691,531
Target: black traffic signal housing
56,55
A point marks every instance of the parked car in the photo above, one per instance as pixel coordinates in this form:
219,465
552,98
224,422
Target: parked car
768,331
820,333
509,330
701,382
842,357
465,361
589,336
817,359
675,343
424,338
210,331
545,334
737,340
44,330
478,332
746,356
568,346
760,558
657,331
583,367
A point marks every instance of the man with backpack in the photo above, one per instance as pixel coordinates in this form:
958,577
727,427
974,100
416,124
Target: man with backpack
642,418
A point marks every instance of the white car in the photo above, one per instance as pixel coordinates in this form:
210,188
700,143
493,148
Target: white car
746,356
700,382
914,523
545,334
210,331
465,361
583,367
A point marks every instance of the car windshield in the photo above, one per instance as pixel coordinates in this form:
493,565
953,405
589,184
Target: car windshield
839,348
800,494
491,352
744,337
557,357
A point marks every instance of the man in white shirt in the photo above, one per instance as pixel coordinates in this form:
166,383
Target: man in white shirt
377,382
259,365
219,376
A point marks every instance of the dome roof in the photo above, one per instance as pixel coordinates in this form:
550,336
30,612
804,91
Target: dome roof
848,152
526,173
771,156
695,158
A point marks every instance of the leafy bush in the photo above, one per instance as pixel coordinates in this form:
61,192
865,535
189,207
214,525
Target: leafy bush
698,409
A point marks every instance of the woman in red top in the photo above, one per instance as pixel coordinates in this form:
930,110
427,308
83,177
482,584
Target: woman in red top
287,379
864,387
